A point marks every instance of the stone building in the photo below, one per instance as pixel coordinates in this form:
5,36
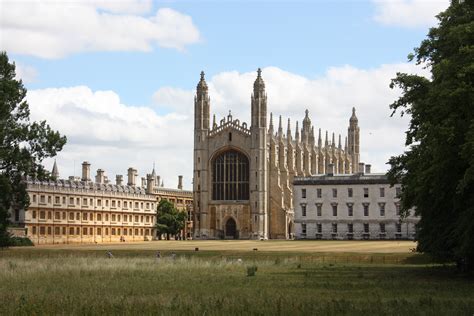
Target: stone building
355,206
82,210
243,174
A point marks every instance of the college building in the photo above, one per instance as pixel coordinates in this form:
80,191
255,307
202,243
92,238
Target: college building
350,206
83,210
243,173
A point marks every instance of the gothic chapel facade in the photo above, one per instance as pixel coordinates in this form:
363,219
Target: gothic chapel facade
243,174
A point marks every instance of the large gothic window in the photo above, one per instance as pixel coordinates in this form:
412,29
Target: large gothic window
230,176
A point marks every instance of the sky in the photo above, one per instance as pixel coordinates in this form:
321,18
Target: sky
118,77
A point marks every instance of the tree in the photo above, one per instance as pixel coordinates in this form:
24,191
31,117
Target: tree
24,145
437,170
169,220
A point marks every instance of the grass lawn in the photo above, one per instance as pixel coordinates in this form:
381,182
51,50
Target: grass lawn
317,278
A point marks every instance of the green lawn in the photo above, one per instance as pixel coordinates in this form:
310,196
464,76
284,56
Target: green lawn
214,282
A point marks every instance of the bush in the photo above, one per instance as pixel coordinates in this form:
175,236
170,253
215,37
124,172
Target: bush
20,241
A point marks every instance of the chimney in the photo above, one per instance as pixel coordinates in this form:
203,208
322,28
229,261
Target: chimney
361,167
119,179
331,169
150,183
132,174
180,182
367,168
100,177
86,171
143,182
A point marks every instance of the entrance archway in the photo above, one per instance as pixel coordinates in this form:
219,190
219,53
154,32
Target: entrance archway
230,229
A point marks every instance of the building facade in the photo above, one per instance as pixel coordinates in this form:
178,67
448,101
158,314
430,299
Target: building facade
355,206
80,210
243,174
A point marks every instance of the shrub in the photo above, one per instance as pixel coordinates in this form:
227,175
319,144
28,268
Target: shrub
251,270
20,241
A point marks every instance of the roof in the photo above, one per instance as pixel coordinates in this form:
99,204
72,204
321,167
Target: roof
357,178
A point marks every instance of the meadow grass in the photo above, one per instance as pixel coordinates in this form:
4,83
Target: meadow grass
67,282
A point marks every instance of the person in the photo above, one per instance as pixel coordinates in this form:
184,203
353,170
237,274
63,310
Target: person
158,255
109,254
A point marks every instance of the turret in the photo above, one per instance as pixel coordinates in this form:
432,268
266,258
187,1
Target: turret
132,175
320,140
353,141
55,172
259,102
180,182
270,128
86,171
297,133
288,131
280,128
201,105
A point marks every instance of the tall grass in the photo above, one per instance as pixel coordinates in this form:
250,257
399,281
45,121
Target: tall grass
77,285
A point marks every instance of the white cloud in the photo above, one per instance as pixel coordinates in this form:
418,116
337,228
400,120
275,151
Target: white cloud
54,29
409,13
26,73
114,136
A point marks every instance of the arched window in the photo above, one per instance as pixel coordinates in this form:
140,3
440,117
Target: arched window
230,176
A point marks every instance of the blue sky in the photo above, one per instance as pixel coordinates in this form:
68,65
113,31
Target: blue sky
317,44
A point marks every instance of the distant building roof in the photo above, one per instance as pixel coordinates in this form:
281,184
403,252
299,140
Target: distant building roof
358,178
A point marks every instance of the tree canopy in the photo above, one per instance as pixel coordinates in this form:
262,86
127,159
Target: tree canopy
437,169
169,221
23,145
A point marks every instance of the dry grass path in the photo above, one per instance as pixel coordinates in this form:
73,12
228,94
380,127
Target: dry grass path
326,246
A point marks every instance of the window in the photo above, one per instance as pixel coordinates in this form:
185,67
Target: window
230,176
118,217
50,216
99,231
303,193
42,230
366,228
64,217
34,215
84,231
113,217
49,199
366,209
113,231
319,193
106,203
230,137
91,216
397,209
57,215
71,201
64,230
42,200
136,218
125,218
99,202
136,204
319,228
382,209
118,203
334,227
64,200
334,209
125,205
56,199
84,216
34,198
56,231
77,201
303,209
350,228
99,217
382,192
34,230
78,231
84,201
366,192
319,209
42,215
334,193
350,210
141,204
71,216
71,230
106,217
303,229
399,227
113,203
49,230
382,228
349,192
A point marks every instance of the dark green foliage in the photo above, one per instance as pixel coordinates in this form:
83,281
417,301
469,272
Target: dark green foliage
20,241
437,170
169,220
252,270
23,145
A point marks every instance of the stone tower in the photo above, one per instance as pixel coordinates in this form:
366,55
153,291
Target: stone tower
353,143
